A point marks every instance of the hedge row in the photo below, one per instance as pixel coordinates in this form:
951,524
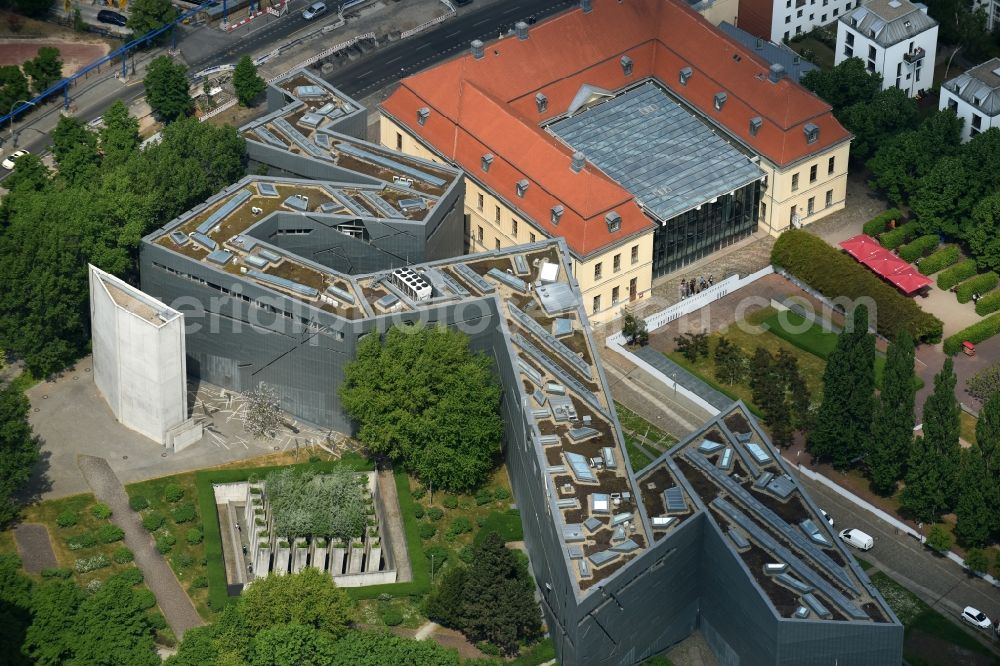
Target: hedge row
940,260
893,239
977,285
880,222
960,271
988,303
836,275
920,247
978,332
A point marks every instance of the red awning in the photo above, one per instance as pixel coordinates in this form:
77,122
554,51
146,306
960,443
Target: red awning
902,275
861,246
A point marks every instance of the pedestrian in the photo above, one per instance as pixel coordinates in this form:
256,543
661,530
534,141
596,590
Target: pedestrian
711,280
237,527
691,289
682,290
701,282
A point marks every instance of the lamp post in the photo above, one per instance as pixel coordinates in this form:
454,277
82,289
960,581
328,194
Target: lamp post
14,106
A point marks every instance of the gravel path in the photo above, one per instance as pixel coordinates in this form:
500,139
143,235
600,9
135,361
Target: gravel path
394,522
34,547
174,602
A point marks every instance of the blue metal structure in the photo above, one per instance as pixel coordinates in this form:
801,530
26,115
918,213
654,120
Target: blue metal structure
121,52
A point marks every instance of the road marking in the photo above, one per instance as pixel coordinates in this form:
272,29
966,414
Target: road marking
394,60
481,22
366,73
457,32
422,46
511,9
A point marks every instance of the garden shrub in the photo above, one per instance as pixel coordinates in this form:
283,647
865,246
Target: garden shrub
138,503
978,332
484,496
153,520
165,542
132,576
939,260
145,598
183,560
95,585
984,383
836,275
467,553
56,572
157,621
460,525
435,513
183,513
418,493
427,530
977,285
94,563
450,502
110,534
488,648
67,519
194,536
123,555
880,222
418,511
440,555
391,616
199,583
920,247
988,303
501,494
173,493
890,240
960,271
101,511
80,541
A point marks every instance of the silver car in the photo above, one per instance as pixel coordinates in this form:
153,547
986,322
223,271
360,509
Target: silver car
314,10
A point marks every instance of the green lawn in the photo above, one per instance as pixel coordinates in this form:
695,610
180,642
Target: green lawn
822,55
636,457
633,423
968,427
931,638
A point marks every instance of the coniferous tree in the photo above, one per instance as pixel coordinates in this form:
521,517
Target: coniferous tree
843,423
988,434
931,477
892,428
976,498
444,604
760,374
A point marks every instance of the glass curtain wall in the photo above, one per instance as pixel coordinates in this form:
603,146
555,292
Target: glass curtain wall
698,233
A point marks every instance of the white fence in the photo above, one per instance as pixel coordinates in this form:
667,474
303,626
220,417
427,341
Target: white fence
324,54
432,22
219,109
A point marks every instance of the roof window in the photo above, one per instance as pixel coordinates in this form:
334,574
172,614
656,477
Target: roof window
541,102
685,75
423,113
614,221
755,124
522,187
486,161
720,100
626,65
811,130
557,213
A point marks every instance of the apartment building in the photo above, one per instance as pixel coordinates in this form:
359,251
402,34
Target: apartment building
637,131
975,97
894,38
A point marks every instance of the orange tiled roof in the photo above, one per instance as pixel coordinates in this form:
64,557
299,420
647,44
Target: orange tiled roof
488,105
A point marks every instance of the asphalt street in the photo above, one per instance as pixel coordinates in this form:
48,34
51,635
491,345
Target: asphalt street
937,580
405,57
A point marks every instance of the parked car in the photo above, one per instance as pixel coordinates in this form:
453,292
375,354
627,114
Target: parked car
827,517
857,538
462,3
9,162
314,10
976,618
113,18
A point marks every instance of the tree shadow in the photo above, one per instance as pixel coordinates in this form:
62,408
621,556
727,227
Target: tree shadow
39,483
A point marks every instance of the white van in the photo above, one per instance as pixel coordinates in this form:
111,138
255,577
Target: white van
858,539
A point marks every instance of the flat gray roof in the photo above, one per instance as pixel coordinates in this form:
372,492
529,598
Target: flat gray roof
669,159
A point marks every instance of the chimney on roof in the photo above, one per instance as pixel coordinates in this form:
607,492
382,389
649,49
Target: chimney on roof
521,30
776,73
586,6
477,49
542,102
578,162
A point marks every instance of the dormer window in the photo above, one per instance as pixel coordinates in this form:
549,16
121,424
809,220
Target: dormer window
541,102
557,213
423,113
812,133
487,161
719,100
614,221
522,187
685,75
626,65
755,124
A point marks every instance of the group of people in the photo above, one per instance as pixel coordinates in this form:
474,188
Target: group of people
694,286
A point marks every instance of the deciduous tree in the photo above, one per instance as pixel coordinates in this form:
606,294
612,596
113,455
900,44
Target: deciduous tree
730,362
74,146
119,136
247,83
892,429
289,644
54,606
18,450
988,434
634,329
846,84
13,87
976,560
875,121
44,69
422,398
309,597
148,15
167,88
938,539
